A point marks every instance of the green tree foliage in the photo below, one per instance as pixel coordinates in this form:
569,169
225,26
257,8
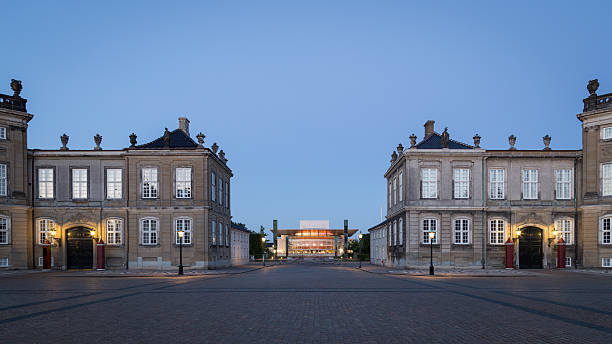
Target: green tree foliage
365,250
256,246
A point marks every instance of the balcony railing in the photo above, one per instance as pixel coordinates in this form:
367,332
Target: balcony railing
12,103
597,102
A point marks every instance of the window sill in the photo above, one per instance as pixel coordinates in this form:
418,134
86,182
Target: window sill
427,245
184,245
462,245
149,245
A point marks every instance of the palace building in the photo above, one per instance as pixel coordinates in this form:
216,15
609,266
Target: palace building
134,201
475,200
314,238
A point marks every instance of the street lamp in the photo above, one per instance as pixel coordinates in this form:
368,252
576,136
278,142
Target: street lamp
432,235
181,234
263,250
360,248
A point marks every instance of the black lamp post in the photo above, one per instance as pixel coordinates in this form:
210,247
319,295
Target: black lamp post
181,234
432,235
360,248
263,250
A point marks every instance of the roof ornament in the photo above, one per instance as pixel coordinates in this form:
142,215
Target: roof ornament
400,149
413,140
166,138
512,141
16,87
214,147
476,141
200,138
133,140
222,156
445,138
98,141
546,140
592,87
64,138
393,157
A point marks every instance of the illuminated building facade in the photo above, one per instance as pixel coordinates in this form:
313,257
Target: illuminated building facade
314,238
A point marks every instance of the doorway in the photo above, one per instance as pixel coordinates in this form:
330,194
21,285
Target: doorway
530,248
79,248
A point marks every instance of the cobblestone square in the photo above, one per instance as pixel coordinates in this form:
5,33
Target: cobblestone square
306,303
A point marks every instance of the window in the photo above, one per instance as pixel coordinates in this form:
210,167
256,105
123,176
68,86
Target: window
45,183
390,192
563,184
4,262
220,233
44,227
183,224
4,230
213,189
530,184
114,230
606,133
213,233
430,225
2,133
565,230
461,182
401,231
79,183
606,262
149,182
401,186
394,233
496,183
390,234
394,190
462,231
226,190
226,235
183,182
606,231
220,191
113,183
497,232
3,180
568,262
429,183
149,230
606,179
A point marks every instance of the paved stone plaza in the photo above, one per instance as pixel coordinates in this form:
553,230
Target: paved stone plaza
306,303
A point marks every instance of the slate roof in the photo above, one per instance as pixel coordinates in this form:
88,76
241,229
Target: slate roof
178,139
433,142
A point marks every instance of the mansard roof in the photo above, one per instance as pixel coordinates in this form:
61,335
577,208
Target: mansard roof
433,141
178,140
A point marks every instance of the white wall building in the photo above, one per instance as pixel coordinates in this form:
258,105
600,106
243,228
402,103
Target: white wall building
240,245
378,246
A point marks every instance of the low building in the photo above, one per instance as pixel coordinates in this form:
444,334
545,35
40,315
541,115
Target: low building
239,245
314,238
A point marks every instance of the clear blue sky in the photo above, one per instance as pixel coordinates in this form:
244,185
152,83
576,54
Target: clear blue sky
307,98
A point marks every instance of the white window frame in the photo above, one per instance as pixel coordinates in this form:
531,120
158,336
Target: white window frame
426,224
43,227
565,230
429,182
152,239
214,233
182,177
45,183
606,133
563,183
462,230
114,231
3,179
186,224
2,133
220,226
5,230
390,193
150,184
530,183
461,183
568,262
401,186
213,188
394,233
606,262
606,230
401,231
79,183
497,179
114,183
606,179
497,236
4,262
220,187
395,190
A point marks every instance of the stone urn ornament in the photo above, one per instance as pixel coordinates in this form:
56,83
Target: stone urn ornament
413,140
400,149
222,156
393,157
512,141
476,141
546,140
592,87
133,138
200,138
16,87
214,147
98,141
64,138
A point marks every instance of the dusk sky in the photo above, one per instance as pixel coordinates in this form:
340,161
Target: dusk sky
308,99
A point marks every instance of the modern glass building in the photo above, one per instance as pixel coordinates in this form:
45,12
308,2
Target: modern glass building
314,238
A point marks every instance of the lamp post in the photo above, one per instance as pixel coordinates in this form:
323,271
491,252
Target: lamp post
181,234
360,248
263,250
432,235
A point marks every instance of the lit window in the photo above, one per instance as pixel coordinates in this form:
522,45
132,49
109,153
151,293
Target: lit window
497,232
44,227
149,182
606,133
430,225
401,186
429,183
530,184
496,183
3,180
114,231
4,230
461,181
213,189
45,183
183,224
565,229
563,184
462,231
2,133
183,182
606,231
149,231
113,183
606,179
79,183
213,232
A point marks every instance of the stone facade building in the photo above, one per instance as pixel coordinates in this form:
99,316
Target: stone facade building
240,245
477,200
133,200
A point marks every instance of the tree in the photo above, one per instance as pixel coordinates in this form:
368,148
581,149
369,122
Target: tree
256,245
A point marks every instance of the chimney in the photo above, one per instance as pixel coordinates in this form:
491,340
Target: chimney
184,125
429,127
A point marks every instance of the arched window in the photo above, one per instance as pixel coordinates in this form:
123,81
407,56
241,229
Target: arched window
183,224
149,231
114,231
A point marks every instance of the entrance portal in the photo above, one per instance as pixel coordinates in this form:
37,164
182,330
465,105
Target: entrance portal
79,248
530,248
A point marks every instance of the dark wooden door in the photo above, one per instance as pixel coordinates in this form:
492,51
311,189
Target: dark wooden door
530,248
79,248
